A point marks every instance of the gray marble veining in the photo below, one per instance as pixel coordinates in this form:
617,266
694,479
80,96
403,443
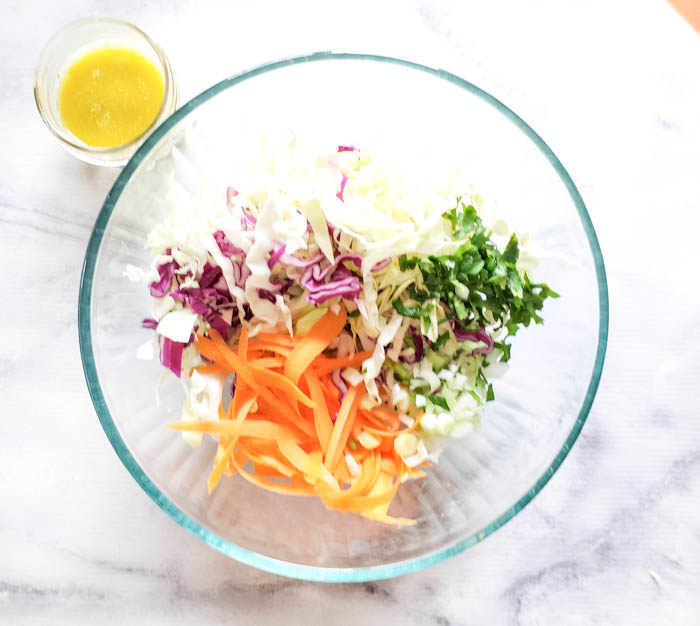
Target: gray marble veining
614,538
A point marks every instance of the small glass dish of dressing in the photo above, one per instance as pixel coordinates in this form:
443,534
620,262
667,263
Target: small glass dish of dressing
102,86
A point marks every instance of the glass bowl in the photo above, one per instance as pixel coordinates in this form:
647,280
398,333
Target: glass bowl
67,46
541,404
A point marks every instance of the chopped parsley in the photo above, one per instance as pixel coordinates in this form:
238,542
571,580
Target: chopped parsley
478,285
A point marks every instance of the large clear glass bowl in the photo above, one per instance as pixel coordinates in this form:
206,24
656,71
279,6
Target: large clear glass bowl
541,404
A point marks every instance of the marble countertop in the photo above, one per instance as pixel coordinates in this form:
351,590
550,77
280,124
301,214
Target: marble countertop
614,538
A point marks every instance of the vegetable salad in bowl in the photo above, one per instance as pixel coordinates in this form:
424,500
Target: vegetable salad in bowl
335,323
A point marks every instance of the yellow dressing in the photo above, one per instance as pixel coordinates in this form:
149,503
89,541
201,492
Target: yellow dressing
110,96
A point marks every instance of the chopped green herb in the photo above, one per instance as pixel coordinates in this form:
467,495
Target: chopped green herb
400,372
477,284
440,341
489,394
475,395
438,400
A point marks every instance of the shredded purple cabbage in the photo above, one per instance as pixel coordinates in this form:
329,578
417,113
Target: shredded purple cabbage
241,272
295,261
418,346
248,222
195,304
225,245
342,187
339,383
342,282
266,295
275,256
210,274
149,323
377,267
218,323
210,298
315,274
159,288
479,336
171,355
381,379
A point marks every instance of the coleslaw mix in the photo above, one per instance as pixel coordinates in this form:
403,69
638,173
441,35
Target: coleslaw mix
428,290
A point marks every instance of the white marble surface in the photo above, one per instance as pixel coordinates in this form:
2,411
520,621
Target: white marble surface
614,538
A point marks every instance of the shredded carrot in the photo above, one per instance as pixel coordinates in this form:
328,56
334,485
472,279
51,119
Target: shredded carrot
278,381
326,366
274,408
311,345
284,351
269,362
260,429
218,470
288,419
217,351
243,343
283,340
343,425
322,420
382,432
294,489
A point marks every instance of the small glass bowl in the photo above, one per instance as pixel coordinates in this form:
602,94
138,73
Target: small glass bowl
71,43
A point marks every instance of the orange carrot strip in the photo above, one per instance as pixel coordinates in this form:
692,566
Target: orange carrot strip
270,347
360,455
342,473
269,362
414,472
243,343
389,464
279,409
230,470
263,471
322,420
247,375
343,425
218,470
372,419
303,461
386,433
365,480
377,469
217,350
278,338
384,484
330,389
311,345
278,381
326,366
295,488
261,429
269,461
386,415
355,502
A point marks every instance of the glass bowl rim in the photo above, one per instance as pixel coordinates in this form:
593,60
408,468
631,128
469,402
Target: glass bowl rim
260,561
